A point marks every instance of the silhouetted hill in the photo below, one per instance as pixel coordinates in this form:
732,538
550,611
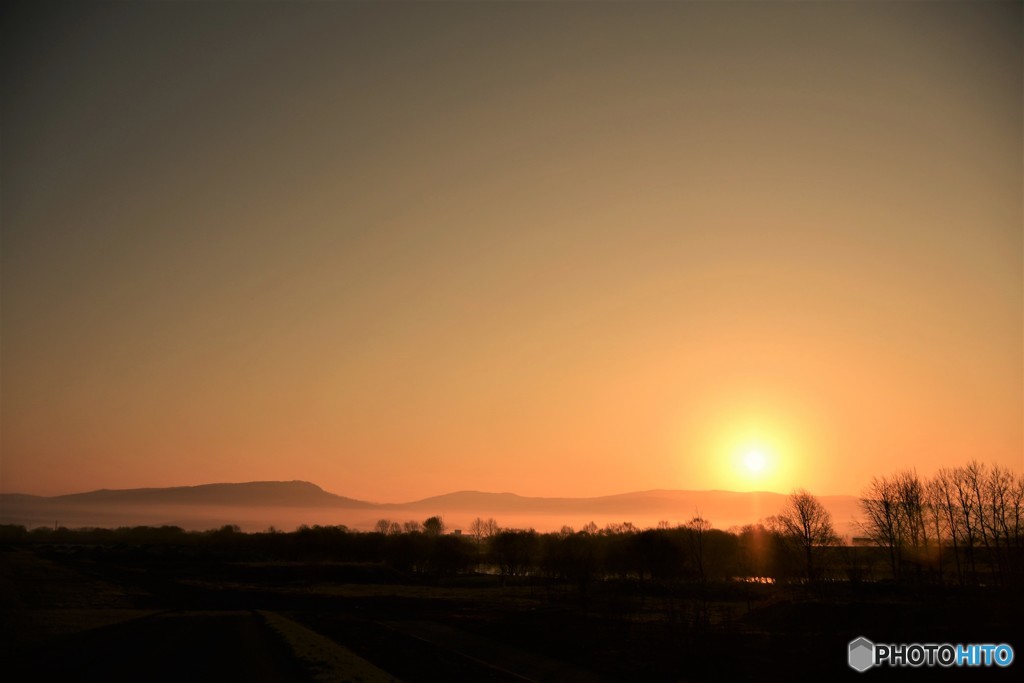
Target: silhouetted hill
23,498
248,494
679,502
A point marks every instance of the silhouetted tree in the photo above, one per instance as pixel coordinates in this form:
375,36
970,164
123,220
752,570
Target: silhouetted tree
698,528
433,526
943,492
449,554
388,527
483,528
808,525
514,551
572,557
974,512
884,521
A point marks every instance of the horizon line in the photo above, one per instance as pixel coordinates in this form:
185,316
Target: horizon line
414,500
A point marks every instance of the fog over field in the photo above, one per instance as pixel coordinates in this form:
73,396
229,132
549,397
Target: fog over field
255,506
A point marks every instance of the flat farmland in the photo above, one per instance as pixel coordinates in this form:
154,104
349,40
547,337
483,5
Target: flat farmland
167,614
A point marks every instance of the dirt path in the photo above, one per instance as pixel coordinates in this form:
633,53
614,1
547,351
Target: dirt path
326,660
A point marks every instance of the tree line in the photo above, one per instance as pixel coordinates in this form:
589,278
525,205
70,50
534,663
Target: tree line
963,525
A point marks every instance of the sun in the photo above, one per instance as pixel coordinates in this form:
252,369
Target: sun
752,454
754,461
754,465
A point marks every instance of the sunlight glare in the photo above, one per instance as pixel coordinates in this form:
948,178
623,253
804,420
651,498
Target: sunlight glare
755,461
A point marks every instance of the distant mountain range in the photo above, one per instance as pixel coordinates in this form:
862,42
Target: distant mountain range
261,502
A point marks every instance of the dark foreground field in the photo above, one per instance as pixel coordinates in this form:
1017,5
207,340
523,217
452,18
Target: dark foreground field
81,612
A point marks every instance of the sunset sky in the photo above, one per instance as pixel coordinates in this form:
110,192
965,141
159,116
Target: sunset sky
569,248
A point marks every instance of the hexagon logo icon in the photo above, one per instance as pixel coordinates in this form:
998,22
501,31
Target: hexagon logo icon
862,654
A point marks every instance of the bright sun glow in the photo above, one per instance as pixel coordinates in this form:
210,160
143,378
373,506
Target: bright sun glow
756,465
751,453
755,461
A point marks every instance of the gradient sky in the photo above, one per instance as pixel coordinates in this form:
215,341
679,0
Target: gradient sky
551,248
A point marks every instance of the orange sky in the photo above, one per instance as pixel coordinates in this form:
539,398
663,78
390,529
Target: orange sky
550,248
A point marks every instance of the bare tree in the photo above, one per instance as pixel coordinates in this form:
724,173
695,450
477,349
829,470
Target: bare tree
388,527
807,524
910,504
935,518
884,524
967,516
698,528
976,511
895,511
996,495
1015,512
942,489
483,528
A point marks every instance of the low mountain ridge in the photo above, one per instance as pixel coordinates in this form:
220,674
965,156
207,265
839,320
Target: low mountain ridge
723,509
254,493
259,504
